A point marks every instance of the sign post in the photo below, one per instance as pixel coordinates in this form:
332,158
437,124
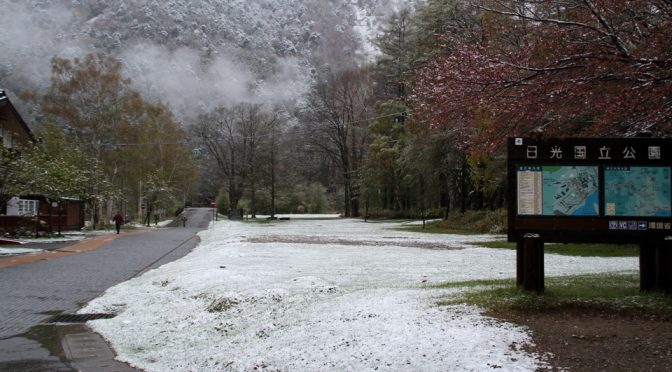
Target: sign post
213,205
607,190
37,218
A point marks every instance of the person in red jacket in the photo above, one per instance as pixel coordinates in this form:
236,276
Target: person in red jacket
118,220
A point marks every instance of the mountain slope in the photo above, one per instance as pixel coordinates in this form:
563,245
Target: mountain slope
192,55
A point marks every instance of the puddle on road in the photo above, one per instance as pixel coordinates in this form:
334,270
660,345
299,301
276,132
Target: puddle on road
39,349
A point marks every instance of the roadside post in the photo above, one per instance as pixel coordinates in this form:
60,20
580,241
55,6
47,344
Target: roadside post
37,218
591,190
213,205
665,267
533,272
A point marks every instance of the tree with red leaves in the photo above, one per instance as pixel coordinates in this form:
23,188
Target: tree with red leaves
554,68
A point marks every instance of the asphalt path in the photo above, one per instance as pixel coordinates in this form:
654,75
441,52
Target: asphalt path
32,293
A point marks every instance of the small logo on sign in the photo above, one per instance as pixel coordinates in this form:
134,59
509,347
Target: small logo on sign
632,225
519,141
642,225
622,225
613,225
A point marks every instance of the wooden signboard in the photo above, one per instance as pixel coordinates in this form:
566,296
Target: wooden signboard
590,189
610,190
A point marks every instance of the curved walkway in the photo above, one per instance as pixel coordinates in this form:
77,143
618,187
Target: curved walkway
35,287
85,245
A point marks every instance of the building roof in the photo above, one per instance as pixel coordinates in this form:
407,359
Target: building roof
4,100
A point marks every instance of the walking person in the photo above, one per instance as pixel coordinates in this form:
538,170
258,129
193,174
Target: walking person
118,220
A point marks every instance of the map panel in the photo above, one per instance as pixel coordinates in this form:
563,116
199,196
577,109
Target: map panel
529,190
570,191
637,191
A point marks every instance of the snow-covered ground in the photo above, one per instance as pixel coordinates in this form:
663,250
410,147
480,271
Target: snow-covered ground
15,250
163,223
321,295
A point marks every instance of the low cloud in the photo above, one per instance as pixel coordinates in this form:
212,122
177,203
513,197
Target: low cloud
29,39
180,79
183,78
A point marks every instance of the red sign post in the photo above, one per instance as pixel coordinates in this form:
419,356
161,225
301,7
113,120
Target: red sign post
213,205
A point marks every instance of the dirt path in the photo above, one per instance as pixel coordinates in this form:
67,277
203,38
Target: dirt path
585,340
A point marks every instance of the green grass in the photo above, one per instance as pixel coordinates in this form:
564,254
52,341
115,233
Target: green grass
613,293
265,220
469,222
581,250
475,283
434,229
258,220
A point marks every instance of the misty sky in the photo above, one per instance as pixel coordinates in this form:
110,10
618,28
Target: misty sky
170,57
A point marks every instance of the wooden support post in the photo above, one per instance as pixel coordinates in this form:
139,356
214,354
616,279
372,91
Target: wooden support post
533,277
520,262
647,267
664,266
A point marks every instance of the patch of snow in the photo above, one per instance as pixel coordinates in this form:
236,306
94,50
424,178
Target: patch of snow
4,251
66,237
419,223
365,28
241,301
163,223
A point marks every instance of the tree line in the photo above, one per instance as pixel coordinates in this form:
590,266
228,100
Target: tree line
418,133
423,130
101,142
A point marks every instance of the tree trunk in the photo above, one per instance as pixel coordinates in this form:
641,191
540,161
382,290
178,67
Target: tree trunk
50,216
464,187
253,197
346,195
273,174
354,207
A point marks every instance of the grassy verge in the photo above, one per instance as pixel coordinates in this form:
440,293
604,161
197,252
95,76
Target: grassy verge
433,228
612,293
581,250
279,220
471,222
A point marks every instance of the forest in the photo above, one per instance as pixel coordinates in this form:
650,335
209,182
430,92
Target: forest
418,132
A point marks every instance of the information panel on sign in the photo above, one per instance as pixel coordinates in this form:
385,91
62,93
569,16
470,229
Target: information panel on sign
637,191
570,191
590,189
558,190
529,191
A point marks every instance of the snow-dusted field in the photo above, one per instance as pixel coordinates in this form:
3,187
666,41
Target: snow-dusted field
321,295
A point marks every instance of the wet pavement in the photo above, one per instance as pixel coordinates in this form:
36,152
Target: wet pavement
36,291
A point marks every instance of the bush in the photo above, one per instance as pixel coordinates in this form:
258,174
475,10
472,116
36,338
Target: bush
482,221
384,213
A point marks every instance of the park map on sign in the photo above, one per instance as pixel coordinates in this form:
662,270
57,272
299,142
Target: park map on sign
637,191
570,191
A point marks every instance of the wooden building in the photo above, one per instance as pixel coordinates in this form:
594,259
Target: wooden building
68,214
13,130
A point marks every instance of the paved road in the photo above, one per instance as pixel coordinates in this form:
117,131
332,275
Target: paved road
32,293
